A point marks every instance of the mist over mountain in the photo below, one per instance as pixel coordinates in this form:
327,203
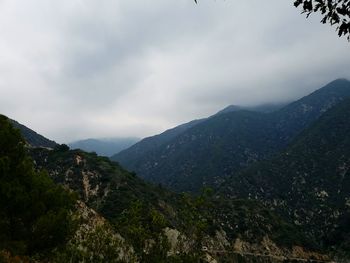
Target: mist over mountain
150,144
184,131
104,146
280,182
268,107
214,148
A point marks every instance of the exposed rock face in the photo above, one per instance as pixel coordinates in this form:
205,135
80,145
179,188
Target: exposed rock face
112,192
88,191
267,248
175,240
96,241
219,249
74,172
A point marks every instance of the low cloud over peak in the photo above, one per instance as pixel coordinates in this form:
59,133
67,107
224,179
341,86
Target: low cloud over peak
78,69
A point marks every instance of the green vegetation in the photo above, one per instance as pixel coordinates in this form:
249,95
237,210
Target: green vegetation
141,224
275,204
138,211
34,212
98,246
141,212
308,184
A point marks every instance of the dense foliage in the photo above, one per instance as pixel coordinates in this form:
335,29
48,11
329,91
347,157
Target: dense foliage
34,212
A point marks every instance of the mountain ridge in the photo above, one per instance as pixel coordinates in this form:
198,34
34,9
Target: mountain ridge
151,143
207,152
138,213
130,204
33,138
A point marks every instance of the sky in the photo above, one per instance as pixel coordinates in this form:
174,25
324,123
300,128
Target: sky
76,69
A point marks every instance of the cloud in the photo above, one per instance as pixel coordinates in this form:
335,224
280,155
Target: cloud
73,69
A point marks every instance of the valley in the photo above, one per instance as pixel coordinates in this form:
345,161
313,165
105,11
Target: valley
240,186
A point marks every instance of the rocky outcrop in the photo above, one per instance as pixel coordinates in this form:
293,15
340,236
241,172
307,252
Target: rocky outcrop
95,240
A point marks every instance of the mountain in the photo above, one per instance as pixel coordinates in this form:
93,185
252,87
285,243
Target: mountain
105,146
309,182
137,151
34,212
32,138
117,217
209,151
130,156
161,226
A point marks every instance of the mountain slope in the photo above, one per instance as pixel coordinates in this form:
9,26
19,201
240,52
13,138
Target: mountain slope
224,144
310,181
33,138
265,108
144,223
141,212
131,156
34,212
103,147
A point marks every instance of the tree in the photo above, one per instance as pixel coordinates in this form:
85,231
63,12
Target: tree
334,12
34,212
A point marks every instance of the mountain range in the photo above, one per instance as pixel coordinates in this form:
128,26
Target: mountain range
205,152
308,182
149,144
280,184
117,217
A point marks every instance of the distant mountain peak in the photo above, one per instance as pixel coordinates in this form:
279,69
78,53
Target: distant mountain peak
104,146
229,108
265,108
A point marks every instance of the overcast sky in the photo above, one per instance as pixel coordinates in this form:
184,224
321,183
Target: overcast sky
73,69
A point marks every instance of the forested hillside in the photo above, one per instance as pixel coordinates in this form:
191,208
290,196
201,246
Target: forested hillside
309,183
34,212
208,152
